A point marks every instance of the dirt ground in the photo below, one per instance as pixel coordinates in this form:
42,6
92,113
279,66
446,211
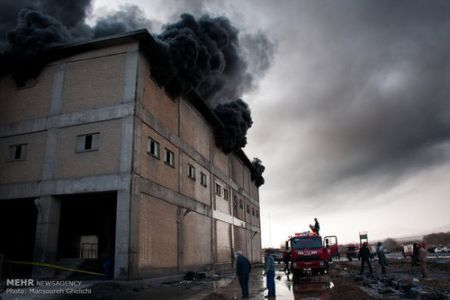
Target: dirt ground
343,281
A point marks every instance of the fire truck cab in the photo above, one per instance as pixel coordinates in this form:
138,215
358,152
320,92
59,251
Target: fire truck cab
309,254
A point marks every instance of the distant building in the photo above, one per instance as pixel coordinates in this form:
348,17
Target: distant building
97,162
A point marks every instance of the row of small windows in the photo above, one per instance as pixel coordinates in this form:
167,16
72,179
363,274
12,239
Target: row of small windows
219,189
255,212
153,149
84,143
169,158
191,175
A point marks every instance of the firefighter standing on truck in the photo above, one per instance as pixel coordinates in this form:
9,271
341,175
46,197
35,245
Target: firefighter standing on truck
315,229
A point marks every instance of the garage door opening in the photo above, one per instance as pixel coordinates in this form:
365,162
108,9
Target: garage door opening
87,232
18,219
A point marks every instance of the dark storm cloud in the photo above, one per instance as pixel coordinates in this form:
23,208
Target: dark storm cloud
372,86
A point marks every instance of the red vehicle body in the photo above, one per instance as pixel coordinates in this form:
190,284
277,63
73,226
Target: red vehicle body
309,254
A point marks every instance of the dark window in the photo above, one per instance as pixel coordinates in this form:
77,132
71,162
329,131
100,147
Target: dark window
191,171
257,213
253,211
203,179
169,158
218,190
17,152
225,194
241,204
248,208
153,147
235,201
87,142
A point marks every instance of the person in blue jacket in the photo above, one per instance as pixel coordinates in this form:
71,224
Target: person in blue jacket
269,271
243,269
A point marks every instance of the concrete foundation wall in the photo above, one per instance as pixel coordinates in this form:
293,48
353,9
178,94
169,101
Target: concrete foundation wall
157,236
196,241
223,242
105,160
23,170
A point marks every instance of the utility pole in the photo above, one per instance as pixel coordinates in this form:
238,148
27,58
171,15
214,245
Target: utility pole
270,230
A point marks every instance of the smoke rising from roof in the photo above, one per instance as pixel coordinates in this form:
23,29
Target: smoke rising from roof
205,55
202,55
35,33
257,176
237,119
127,18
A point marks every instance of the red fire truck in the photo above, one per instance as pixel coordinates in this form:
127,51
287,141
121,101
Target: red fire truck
309,254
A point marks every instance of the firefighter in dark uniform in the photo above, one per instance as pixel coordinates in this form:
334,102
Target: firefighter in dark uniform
365,256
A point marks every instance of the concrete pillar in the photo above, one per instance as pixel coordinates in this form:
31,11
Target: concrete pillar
121,260
180,238
47,229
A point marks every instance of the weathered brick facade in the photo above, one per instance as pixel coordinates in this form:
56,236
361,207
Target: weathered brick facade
168,220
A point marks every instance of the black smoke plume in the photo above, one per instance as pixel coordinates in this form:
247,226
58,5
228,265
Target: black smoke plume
202,55
237,119
128,18
205,55
29,43
257,176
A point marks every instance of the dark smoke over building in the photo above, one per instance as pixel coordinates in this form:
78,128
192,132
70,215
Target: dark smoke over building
29,43
236,118
257,176
193,55
204,55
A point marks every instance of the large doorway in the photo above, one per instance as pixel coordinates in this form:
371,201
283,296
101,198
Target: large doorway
87,231
18,219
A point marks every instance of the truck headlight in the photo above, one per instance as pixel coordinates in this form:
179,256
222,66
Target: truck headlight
294,265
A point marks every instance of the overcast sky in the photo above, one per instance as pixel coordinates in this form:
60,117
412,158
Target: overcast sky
352,119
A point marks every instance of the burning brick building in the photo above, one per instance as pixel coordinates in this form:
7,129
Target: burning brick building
98,162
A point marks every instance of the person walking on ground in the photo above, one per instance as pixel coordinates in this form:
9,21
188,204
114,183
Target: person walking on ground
415,255
365,256
269,271
287,259
422,259
381,257
243,269
315,229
